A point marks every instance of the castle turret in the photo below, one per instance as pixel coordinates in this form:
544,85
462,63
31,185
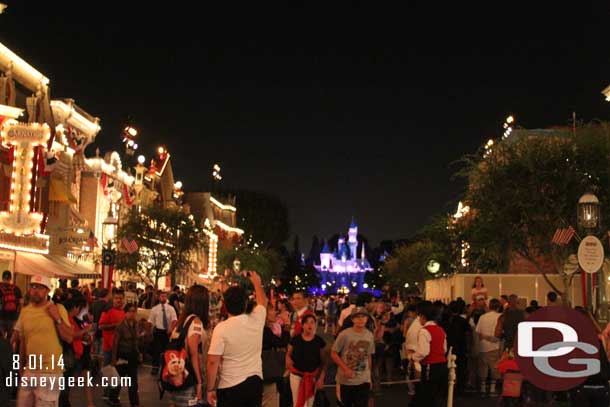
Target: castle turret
352,239
325,258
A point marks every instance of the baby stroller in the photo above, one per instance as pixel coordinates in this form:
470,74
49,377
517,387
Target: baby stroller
516,391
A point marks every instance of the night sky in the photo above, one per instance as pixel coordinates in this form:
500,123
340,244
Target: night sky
339,110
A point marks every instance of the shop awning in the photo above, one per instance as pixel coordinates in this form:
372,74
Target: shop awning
35,264
76,270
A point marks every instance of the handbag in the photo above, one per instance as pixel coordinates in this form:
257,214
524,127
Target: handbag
511,384
274,364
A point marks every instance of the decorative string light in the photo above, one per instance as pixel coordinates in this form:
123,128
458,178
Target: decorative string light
23,138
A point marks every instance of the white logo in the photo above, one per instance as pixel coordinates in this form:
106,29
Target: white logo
525,339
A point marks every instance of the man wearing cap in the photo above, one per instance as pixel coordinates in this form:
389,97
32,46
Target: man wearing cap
41,327
352,352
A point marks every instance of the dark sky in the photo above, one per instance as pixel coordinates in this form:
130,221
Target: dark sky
340,110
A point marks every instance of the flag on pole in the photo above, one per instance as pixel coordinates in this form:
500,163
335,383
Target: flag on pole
563,236
107,268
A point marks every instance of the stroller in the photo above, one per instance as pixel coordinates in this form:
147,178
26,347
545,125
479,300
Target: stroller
517,392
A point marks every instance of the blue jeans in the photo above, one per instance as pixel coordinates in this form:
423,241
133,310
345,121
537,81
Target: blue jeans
107,360
107,357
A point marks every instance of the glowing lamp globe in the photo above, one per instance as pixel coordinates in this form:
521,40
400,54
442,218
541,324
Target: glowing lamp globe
588,212
433,266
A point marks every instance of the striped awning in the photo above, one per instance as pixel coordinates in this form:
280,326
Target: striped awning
76,270
39,264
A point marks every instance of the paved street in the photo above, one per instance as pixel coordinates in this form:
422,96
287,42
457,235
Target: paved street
391,396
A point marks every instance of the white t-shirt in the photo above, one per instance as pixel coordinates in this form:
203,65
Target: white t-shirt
412,333
345,313
196,328
487,326
239,340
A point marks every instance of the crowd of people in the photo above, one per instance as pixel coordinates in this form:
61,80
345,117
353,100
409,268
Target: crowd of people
247,347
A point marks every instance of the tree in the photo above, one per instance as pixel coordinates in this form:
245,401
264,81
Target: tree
165,237
407,263
314,252
527,187
263,215
266,262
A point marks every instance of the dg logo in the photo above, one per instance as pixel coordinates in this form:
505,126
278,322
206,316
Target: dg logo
557,348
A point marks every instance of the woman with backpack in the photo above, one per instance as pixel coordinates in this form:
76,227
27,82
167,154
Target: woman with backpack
181,375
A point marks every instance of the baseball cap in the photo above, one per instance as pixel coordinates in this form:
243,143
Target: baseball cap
41,280
359,311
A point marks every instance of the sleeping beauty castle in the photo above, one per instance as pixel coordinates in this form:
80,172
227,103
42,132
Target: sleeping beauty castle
342,270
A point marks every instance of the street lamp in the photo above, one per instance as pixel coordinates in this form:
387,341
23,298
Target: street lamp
589,221
588,213
129,134
236,266
109,232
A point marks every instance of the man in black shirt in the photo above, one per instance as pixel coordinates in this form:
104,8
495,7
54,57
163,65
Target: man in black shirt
147,299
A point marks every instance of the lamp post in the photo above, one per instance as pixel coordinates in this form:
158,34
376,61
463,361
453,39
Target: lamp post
109,232
589,222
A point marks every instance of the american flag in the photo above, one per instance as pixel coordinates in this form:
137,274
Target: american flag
563,236
107,268
130,246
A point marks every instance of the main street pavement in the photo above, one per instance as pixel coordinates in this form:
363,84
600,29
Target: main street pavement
391,394
394,395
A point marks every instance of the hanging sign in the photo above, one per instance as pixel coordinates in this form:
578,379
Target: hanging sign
590,254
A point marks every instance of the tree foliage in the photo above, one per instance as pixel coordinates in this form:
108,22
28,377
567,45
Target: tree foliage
266,262
407,263
527,187
165,237
264,216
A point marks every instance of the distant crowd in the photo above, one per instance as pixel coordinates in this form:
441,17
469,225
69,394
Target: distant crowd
247,347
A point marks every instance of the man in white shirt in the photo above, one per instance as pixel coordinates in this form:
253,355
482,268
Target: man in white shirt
235,350
489,346
161,318
346,311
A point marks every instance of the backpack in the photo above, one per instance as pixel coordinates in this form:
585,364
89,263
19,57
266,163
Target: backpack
9,299
176,370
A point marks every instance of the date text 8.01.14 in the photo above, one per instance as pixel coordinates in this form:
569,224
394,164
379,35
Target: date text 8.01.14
36,362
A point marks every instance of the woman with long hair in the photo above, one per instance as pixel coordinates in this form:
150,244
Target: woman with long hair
195,312
478,289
